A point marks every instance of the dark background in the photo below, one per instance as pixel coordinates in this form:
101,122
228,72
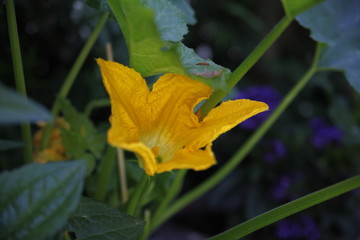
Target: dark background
299,155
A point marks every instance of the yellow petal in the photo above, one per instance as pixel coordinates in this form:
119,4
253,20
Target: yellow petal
146,156
128,94
224,117
186,158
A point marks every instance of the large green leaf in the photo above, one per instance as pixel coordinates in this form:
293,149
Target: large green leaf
337,24
15,108
153,37
37,199
170,20
94,220
295,7
184,6
201,69
149,54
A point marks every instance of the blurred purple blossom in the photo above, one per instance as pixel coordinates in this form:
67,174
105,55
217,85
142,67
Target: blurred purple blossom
301,228
277,151
263,93
280,190
324,133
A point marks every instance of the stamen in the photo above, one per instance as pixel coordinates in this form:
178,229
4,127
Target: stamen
155,151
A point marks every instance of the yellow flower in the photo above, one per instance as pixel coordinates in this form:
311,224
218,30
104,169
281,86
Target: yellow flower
160,125
55,150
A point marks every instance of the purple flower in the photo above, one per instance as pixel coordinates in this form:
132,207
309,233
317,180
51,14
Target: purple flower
277,151
262,93
280,190
304,228
324,133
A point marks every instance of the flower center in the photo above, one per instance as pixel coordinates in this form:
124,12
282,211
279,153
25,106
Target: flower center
155,151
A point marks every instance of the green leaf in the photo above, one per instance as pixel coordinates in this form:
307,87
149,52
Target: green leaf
295,7
73,143
170,20
95,220
82,135
337,24
184,6
77,121
288,209
203,70
37,199
149,54
15,108
96,144
7,144
153,40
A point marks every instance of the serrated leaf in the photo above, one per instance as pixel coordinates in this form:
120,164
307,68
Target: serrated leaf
345,55
15,108
337,24
203,70
94,220
150,54
7,144
82,135
170,20
77,121
184,6
295,7
73,143
37,199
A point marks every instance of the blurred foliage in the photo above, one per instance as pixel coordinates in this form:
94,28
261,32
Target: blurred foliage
52,34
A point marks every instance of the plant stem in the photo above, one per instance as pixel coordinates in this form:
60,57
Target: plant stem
244,150
134,201
18,74
105,169
97,103
174,190
288,209
246,65
69,80
147,218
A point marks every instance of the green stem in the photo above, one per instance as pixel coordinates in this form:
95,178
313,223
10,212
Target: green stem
174,189
246,65
18,74
97,103
135,198
288,209
147,218
106,167
69,80
247,147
